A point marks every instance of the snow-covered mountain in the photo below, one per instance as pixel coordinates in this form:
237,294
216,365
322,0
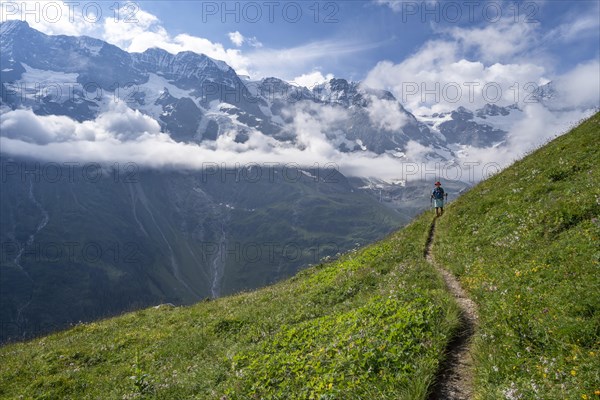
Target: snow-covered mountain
484,127
198,99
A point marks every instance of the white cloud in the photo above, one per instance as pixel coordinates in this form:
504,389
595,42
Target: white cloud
577,27
236,38
24,125
122,135
259,62
148,33
254,42
499,63
53,17
420,9
313,125
118,123
403,5
537,126
580,87
129,35
506,56
395,5
288,63
437,77
500,41
386,114
312,79
126,124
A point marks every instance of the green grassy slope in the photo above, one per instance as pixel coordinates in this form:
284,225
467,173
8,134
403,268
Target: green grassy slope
374,324
370,325
526,246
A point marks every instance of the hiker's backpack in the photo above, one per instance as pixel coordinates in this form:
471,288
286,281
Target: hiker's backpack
438,193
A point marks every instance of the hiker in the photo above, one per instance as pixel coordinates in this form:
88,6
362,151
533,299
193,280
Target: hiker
437,197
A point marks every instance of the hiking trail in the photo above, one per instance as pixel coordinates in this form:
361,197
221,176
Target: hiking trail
454,379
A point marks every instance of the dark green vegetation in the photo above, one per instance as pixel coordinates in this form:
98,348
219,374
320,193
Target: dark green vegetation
374,323
526,246
112,240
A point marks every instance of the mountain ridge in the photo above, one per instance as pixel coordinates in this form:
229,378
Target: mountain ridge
222,101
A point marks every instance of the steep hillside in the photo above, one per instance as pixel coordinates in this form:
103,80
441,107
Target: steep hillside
375,323
526,246
193,97
89,246
370,325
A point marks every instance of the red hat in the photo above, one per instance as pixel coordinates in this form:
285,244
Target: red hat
438,184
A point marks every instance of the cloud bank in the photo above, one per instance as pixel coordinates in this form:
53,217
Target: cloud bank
122,135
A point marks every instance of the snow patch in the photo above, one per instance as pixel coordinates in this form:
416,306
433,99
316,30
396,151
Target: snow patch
265,110
309,174
222,65
154,88
225,106
361,145
37,83
502,122
92,46
33,76
434,122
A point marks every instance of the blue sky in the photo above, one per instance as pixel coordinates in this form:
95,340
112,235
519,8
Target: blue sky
356,35
390,44
402,46
386,43
380,30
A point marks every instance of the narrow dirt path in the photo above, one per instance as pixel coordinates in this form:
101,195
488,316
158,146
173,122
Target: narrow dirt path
455,376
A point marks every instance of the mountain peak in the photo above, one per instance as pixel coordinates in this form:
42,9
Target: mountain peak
156,51
342,85
187,57
545,92
190,57
492,110
13,26
191,54
272,79
462,109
